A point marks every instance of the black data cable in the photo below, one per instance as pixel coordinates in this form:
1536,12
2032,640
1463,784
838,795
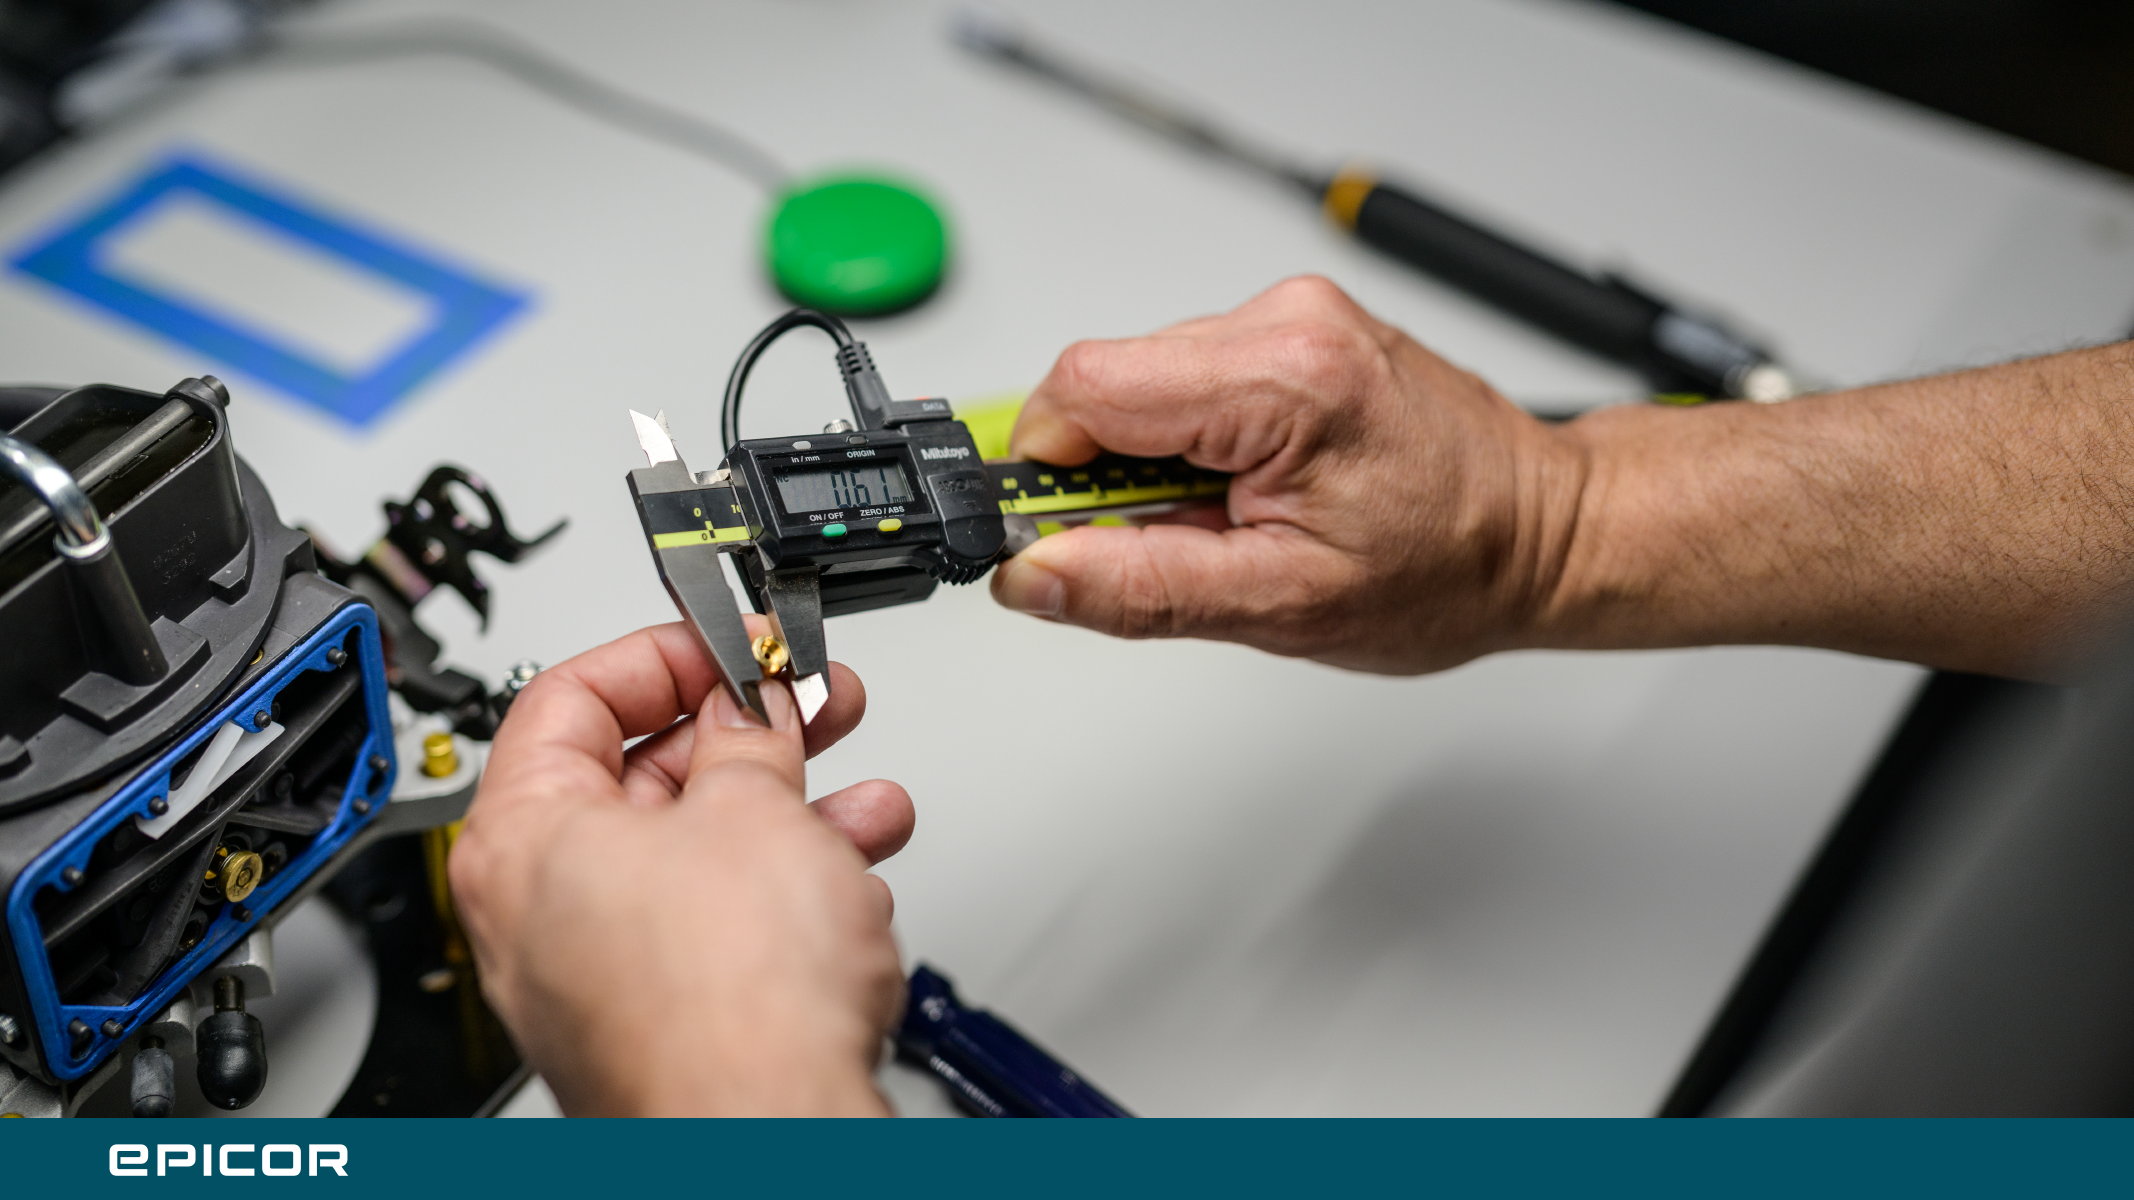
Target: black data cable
863,384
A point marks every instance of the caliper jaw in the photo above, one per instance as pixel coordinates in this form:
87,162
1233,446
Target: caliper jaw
688,523
795,597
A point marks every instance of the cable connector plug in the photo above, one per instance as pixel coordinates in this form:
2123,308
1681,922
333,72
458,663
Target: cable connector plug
863,385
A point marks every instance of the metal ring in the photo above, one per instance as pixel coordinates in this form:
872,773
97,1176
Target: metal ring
81,530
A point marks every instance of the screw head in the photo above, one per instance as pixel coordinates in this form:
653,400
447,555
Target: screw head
522,673
72,876
378,765
362,808
337,656
262,719
112,1028
157,806
79,1033
241,873
240,912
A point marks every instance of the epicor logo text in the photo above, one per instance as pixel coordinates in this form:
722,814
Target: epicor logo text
282,1158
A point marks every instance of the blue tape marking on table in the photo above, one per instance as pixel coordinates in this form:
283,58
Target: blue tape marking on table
465,309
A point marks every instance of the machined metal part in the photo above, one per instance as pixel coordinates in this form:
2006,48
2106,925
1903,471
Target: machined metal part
174,1026
698,586
770,653
250,962
440,758
522,673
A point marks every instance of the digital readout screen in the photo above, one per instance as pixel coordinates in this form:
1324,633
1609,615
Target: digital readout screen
855,485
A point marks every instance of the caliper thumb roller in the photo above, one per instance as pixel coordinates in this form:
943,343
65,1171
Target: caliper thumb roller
872,512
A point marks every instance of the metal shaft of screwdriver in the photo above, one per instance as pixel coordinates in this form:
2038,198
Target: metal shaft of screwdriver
1187,128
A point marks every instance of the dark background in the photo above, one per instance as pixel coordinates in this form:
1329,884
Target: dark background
2059,73
2056,72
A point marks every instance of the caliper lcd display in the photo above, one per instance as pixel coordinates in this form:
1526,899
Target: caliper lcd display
853,485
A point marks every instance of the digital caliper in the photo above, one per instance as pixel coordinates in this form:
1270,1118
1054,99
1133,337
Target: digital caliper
869,513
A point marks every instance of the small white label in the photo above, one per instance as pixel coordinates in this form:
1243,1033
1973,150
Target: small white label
935,452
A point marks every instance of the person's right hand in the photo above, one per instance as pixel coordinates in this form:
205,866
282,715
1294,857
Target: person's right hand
1390,512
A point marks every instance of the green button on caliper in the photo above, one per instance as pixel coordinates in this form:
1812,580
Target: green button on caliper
833,532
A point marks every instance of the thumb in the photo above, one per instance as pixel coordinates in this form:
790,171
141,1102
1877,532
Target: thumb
735,754
1168,580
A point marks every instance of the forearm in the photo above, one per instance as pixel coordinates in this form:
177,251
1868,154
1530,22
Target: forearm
1979,521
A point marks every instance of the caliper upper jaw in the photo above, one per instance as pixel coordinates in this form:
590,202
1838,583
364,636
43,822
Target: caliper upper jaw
795,601
687,515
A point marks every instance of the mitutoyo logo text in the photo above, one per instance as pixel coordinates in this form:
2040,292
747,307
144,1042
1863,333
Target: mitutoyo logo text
933,452
237,1158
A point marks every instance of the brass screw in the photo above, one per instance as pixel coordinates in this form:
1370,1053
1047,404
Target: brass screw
241,872
770,654
439,758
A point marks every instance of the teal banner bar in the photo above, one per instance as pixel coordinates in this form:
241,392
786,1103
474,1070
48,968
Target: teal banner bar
494,1160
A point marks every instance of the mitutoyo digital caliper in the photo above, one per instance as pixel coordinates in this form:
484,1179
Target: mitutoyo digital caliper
870,513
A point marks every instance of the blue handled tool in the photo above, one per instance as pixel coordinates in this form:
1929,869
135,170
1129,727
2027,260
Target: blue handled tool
990,1069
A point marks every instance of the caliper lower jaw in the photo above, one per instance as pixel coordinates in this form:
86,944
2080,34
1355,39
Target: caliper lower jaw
794,598
698,587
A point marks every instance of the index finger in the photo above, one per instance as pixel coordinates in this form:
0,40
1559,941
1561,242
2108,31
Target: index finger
639,684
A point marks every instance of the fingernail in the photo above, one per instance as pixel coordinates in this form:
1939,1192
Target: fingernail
1027,587
724,710
778,701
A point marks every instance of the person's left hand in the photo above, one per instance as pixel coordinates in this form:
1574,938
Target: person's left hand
670,929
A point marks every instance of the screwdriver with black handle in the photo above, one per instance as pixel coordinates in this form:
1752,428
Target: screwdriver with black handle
1680,354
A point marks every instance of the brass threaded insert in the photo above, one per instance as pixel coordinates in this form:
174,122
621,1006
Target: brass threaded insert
770,654
439,757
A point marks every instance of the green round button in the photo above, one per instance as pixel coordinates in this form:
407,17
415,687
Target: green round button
856,245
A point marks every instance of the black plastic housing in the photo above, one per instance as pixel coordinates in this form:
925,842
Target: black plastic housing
205,552
950,531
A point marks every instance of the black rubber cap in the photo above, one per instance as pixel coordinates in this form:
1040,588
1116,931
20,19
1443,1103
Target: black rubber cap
233,1058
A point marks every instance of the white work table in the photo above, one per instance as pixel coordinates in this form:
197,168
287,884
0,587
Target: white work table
1215,881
